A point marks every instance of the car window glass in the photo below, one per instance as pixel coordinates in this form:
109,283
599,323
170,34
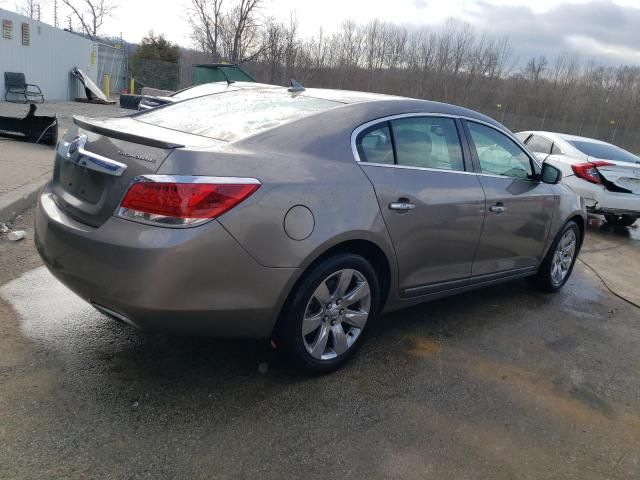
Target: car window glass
539,144
522,136
498,154
427,142
374,145
555,150
605,151
235,114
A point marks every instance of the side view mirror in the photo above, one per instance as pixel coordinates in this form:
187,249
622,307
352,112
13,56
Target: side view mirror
550,174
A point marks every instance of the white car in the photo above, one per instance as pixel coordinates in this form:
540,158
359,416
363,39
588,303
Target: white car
606,176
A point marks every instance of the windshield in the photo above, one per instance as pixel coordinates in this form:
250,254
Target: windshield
235,114
605,151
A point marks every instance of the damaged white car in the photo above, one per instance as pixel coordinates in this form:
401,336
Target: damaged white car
606,176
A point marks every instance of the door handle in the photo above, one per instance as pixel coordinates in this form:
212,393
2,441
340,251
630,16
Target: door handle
402,205
498,208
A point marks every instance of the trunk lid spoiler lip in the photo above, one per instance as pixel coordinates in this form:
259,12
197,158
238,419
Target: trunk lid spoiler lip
97,126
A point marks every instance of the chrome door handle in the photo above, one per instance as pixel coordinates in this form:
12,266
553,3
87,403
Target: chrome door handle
402,206
498,208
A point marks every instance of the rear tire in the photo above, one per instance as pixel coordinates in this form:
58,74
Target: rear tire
326,318
621,220
558,264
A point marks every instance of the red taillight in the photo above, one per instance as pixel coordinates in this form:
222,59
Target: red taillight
588,171
181,204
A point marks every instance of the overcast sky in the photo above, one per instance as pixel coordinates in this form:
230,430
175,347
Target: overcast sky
607,31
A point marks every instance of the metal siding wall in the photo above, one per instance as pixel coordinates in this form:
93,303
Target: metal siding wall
48,59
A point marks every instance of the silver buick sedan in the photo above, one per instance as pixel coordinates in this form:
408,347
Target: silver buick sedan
298,215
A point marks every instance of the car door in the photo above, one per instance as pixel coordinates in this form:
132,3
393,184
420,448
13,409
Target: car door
519,206
432,204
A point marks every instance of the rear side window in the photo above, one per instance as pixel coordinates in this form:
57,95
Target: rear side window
498,154
539,144
427,142
235,114
375,146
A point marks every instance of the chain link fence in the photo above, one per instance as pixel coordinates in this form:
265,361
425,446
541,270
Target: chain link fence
155,73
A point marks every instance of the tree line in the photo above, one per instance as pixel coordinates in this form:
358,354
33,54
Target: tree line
455,64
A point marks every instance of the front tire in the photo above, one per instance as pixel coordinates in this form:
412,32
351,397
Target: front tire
558,264
326,319
621,220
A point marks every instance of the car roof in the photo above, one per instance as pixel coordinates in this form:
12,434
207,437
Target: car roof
388,105
565,136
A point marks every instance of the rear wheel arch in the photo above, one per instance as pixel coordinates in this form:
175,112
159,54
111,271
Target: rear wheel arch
580,221
367,249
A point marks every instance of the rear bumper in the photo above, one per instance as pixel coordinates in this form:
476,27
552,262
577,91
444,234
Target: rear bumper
194,280
600,200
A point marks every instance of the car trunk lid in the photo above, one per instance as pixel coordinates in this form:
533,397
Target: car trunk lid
623,175
99,158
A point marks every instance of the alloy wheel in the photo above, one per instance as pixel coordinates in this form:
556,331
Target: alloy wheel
563,257
336,314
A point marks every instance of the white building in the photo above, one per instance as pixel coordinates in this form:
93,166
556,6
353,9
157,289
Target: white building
45,54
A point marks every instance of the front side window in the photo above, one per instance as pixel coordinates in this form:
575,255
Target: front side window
427,142
539,144
375,146
498,154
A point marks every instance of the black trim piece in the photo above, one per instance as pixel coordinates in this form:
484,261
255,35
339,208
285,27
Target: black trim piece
393,142
468,282
464,144
119,134
475,161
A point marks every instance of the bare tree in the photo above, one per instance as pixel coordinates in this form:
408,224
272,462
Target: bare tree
206,24
535,68
29,8
90,13
241,27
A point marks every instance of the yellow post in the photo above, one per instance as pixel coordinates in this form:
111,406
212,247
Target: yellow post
132,86
105,85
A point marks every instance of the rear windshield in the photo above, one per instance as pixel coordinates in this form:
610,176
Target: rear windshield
236,114
605,151
200,90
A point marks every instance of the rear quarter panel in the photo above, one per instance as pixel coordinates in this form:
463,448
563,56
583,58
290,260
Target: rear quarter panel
569,206
327,181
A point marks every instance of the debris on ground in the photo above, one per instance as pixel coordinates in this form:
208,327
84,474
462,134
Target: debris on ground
91,90
31,128
17,235
4,228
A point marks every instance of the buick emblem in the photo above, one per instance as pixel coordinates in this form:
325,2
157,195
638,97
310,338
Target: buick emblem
76,144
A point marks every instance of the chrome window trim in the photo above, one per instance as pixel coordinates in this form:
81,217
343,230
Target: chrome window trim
408,167
195,179
364,126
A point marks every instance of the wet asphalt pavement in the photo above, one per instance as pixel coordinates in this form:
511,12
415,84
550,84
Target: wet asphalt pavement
504,382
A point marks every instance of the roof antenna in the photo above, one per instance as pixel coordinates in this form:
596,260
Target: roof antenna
296,87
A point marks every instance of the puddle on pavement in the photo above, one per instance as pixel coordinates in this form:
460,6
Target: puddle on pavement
48,311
